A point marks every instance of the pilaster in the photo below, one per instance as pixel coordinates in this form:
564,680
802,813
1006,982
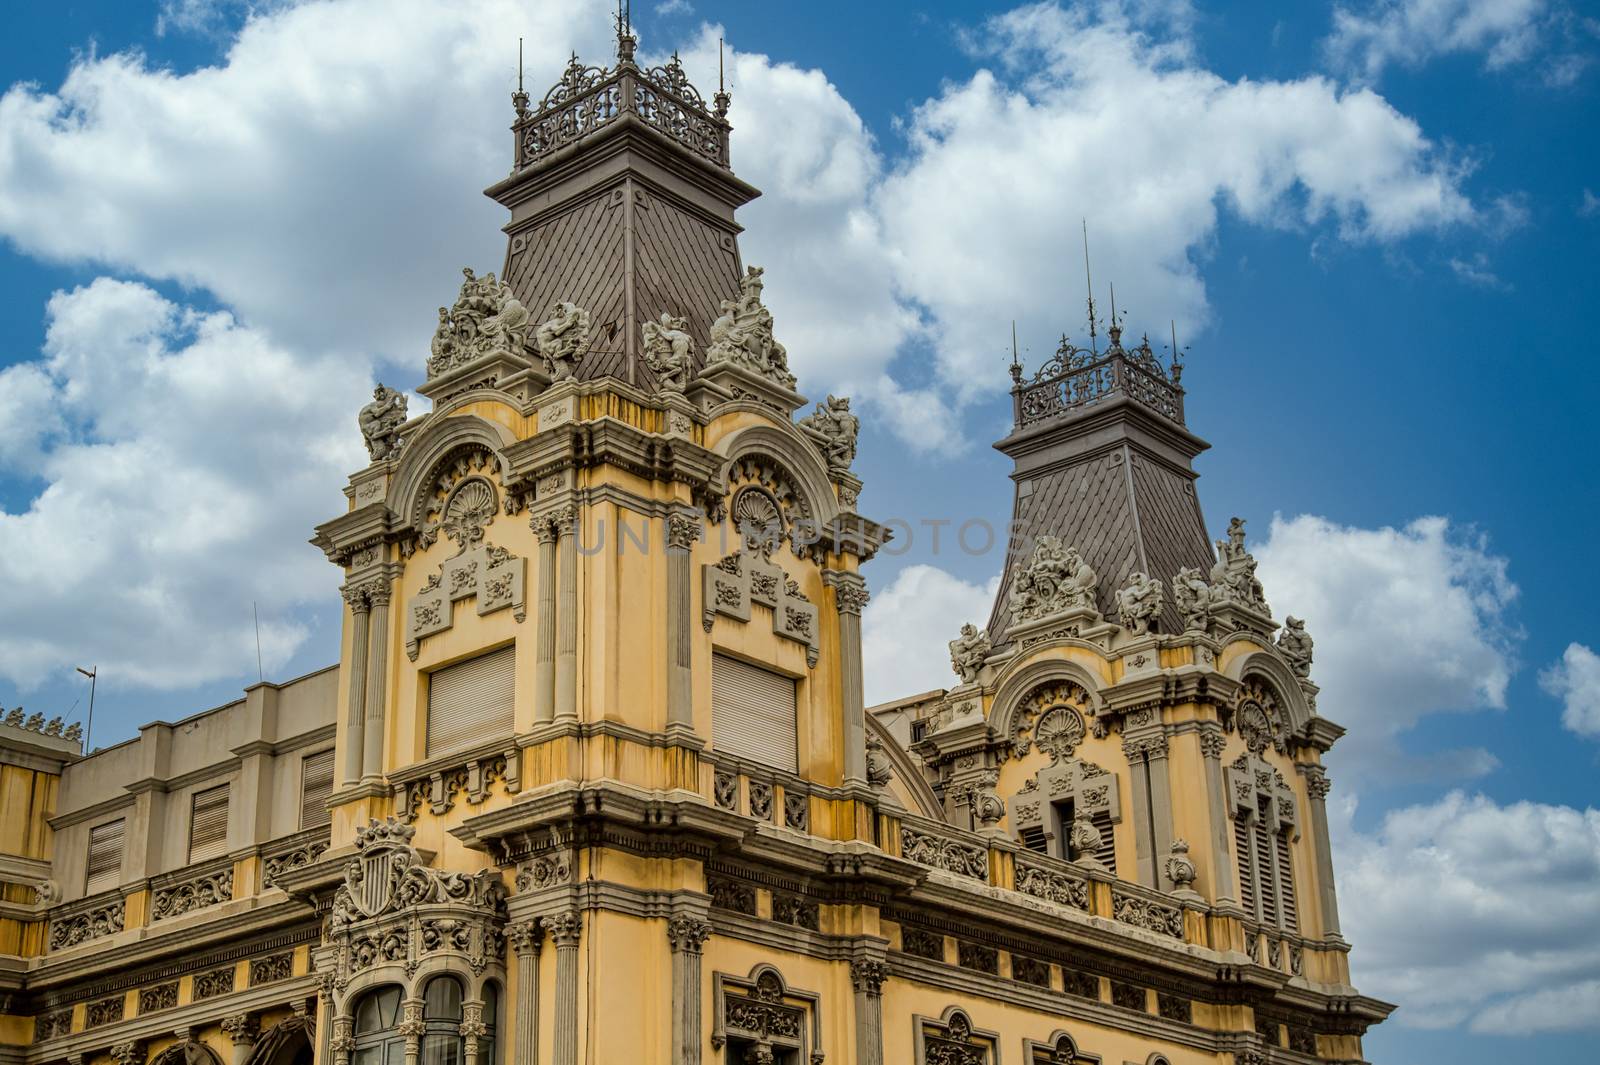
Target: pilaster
566,929
687,934
544,654
1317,785
527,939
356,709
849,597
378,593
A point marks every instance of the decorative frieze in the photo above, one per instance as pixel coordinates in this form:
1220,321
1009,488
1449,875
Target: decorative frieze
197,893
921,943
272,968
53,1025
1030,970
160,997
547,870
275,865
213,983
1081,984
1128,996
732,895
725,789
71,929
1148,914
1175,1008
977,957
793,910
1052,885
796,810
953,856
761,800
104,1011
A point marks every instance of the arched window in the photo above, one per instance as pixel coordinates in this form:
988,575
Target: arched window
378,1042
487,1050
441,1022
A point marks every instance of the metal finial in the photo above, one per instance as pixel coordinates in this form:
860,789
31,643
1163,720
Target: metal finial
626,41
1089,280
722,99
1116,326
519,99
1177,365
1016,362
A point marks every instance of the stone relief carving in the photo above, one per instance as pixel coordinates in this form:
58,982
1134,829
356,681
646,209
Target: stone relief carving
272,968
471,779
1192,596
743,578
52,1025
104,1011
1179,867
1257,717
47,893
760,1011
1052,885
1051,716
731,895
1139,603
380,423
742,334
160,997
968,651
485,320
213,983
305,854
72,929
952,1041
191,895
1295,643
879,770
953,856
1056,581
669,351
562,337
1147,914
838,428
547,870
1233,578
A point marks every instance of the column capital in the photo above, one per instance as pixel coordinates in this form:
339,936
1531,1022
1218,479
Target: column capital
683,531
868,975
1212,741
565,928
849,590
527,937
687,934
241,1028
129,1053
1153,744
1317,782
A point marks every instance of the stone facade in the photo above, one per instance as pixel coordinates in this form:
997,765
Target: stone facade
593,779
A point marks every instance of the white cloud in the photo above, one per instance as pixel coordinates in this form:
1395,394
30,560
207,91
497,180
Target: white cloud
1469,912
1413,31
1476,270
189,462
907,625
1091,116
1588,204
1407,622
1575,680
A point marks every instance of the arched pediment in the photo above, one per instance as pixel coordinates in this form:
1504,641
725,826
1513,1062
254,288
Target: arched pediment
1016,688
789,452
908,771
427,451
1270,666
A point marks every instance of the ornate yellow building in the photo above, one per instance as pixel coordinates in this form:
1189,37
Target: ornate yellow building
593,780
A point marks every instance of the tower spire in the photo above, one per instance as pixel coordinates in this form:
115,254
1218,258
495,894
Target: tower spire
626,41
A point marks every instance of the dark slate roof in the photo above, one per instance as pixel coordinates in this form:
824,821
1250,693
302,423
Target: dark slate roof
1116,482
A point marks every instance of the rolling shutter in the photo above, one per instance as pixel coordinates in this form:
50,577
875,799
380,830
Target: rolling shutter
471,702
104,864
753,713
208,824
316,784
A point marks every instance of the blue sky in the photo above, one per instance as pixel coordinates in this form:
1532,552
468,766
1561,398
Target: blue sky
1374,225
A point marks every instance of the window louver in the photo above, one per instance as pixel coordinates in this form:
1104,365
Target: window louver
753,713
471,702
316,784
208,824
105,857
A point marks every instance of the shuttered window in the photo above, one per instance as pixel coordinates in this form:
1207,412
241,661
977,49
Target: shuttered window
1247,867
208,824
1286,905
1107,854
104,863
316,784
1266,871
471,702
753,713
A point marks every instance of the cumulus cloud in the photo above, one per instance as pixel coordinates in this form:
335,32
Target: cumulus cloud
189,461
1575,680
1471,912
1408,621
1086,114
906,626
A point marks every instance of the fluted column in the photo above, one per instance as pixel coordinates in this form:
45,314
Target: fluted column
850,596
687,934
242,1030
567,616
1317,785
527,939
682,532
355,714
1155,749
1211,745
377,678
544,654
566,929
867,976
323,1032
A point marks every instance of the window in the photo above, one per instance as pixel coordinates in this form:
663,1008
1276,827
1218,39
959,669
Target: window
1266,874
441,1022
104,864
471,702
753,713
378,1042
491,1017
316,784
208,824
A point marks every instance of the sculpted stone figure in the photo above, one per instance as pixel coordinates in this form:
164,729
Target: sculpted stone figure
1056,580
669,351
1295,643
1192,596
839,428
485,320
968,651
1139,603
742,334
380,422
561,338
1233,578
1084,840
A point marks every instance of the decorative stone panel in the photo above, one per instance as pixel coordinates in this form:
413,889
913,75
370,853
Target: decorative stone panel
1030,970
921,943
197,893
104,1011
470,781
763,1014
1128,996
952,1040
977,957
270,969
302,855
159,997
743,578
69,930
1175,1008
213,983
732,895
54,1025
953,856
491,575
1148,914
1053,885
790,909
1082,984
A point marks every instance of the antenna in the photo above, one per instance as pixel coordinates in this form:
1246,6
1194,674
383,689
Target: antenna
1089,279
519,99
720,86
1177,366
519,64
93,673
260,674
1016,363
722,99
